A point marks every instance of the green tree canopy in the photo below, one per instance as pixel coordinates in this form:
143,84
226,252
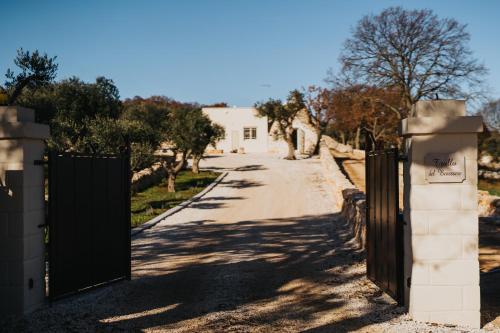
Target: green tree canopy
70,106
35,71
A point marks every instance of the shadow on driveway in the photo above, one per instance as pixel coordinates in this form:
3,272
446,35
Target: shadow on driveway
267,275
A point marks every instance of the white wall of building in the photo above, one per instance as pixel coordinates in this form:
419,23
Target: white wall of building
234,120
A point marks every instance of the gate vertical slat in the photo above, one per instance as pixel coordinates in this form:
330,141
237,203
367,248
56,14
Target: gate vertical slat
127,179
83,191
115,216
368,187
383,208
52,231
399,232
378,213
378,243
392,220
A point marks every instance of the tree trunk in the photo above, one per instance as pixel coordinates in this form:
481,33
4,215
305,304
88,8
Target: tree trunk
356,139
196,164
291,148
172,168
171,182
184,165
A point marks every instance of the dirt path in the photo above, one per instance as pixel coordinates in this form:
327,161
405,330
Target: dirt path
264,251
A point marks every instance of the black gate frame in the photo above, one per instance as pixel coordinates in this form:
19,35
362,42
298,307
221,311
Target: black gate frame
384,223
77,266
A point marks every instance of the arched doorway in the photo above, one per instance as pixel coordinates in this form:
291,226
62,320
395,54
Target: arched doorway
294,138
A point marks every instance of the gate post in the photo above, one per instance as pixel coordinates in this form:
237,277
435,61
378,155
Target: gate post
22,211
440,214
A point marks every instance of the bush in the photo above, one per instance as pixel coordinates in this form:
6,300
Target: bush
489,142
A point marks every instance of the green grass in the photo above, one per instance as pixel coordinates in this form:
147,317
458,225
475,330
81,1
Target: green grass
492,186
155,200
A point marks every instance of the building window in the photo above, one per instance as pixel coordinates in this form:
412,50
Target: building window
250,133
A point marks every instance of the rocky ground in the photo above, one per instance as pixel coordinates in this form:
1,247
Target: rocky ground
264,251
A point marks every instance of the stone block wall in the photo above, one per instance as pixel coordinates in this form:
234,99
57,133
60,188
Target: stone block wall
354,213
22,211
334,144
348,198
333,175
147,177
441,218
489,205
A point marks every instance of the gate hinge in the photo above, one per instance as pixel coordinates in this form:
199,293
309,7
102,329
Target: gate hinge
40,162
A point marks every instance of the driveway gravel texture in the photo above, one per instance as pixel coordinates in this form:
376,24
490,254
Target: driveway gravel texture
264,251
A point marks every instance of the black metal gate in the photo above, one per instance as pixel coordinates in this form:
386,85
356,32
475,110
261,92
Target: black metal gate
384,241
89,220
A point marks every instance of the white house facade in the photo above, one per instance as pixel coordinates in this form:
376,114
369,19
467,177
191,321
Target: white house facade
247,132
244,129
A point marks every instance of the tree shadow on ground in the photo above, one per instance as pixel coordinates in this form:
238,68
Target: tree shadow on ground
252,167
263,260
207,205
262,274
220,198
213,202
241,183
207,157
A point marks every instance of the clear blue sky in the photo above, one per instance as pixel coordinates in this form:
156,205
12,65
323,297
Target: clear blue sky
208,51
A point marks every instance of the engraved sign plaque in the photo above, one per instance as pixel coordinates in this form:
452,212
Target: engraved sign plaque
444,168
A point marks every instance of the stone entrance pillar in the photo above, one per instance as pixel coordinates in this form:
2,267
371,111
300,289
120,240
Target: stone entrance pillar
440,214
22,211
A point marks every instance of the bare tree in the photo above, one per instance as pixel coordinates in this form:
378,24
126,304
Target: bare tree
318,102
414,52
491,114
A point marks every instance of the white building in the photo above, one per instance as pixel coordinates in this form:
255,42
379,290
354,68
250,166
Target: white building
247,131
244,129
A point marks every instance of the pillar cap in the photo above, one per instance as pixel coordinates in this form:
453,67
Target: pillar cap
16,114
439,108
19,123
444,125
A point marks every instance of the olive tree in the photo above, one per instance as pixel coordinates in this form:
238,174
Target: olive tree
414,52
178,135
36,70
204,133
283,115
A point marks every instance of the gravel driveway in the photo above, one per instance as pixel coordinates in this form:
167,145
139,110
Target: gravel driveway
263,251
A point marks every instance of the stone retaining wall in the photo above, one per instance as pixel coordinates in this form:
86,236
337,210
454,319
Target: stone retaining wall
354,212
489,205
489,167
334,144
348,198
334,176
147,177
352,201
